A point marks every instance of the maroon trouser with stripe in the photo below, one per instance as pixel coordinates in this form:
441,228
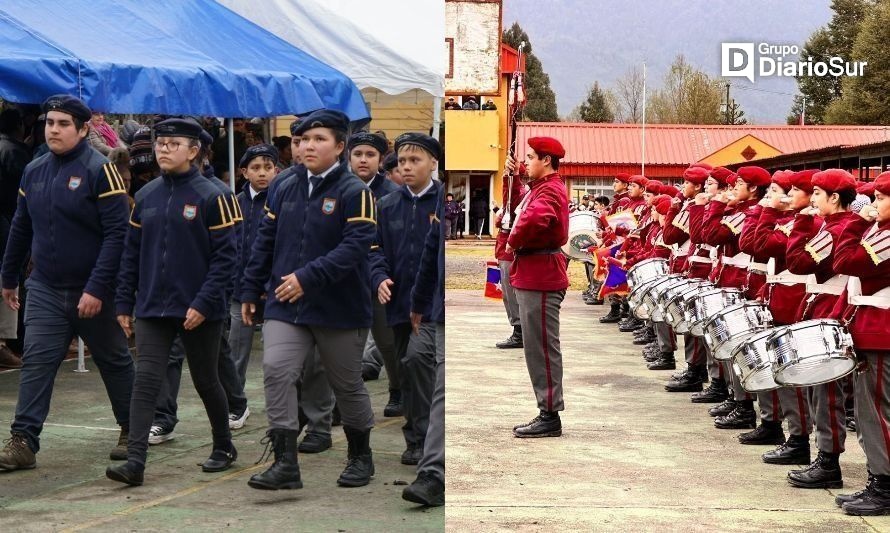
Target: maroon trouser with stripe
539,316
872,410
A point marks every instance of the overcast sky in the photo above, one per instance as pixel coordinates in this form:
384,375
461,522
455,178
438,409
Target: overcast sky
582,41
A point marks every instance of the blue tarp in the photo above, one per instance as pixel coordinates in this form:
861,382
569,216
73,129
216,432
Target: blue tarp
192,57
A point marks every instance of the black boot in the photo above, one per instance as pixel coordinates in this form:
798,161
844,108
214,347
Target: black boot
652,355
644,339
130,473
665,361
285,471
875,501
625,309
716,392
841,499
221,458
546,424
690,381
742,417
394,405
513,341
426,490
630,325
723,408
794,451
613,316
767,433
823,473
360,466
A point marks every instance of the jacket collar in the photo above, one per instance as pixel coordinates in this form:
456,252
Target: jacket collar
73,153
540,181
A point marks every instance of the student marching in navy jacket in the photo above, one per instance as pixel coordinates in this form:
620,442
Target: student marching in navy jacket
178,261
403,221
312,252
72,216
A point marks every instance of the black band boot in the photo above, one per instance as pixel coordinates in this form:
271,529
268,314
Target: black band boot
631,324
794,451
665,361
360,466
546,424
841,499
723,408
742,417
613,316
689,381
768,432
285,471
513,341
393,407
875,501
823,473
716,392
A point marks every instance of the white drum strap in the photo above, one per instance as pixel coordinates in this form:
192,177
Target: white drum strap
786,278
758,267
834,286
740,260
683,249
880,299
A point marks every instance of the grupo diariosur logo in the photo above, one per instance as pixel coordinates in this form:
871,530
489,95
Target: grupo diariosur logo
747,60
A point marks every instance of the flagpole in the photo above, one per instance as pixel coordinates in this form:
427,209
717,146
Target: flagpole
643,158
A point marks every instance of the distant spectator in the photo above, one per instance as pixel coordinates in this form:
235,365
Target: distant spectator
285,156
489,105
601,204
470,104
102,136
451,104
452,212
14,156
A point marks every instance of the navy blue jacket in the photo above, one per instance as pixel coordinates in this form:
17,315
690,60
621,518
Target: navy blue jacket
402,225
180,250
324,239
428,295
253,213
381,186
72,215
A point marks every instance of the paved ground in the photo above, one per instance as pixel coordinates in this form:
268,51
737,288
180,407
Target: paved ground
632,457
68,491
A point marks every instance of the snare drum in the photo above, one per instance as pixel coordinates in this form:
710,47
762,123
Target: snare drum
753,362
649,298
648,270
732,326
583,226
661,310
706,304
635,297
811,353
676,307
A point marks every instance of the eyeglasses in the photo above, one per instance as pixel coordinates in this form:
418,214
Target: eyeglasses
171,146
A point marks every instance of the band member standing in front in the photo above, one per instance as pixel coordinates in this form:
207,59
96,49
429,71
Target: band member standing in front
539,277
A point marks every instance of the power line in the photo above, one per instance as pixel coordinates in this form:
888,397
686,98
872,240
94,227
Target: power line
762,90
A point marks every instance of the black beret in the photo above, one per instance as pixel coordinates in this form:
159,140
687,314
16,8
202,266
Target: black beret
178,127
323,118
259,150
390,162
293,127
426,142
371,139
66,103
205,138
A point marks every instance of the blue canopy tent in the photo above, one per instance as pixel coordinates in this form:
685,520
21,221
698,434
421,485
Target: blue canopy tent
190,57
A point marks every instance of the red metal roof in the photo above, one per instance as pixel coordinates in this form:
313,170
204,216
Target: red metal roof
681,144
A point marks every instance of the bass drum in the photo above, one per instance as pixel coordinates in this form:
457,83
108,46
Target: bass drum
583,226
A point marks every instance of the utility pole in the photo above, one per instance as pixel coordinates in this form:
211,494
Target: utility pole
728,110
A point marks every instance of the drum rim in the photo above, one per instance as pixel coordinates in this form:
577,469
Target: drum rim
845,374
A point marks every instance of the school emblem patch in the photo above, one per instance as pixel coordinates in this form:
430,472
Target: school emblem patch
189,211
328,205
74,182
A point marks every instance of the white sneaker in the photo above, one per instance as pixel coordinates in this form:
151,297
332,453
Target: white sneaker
158,435
236,422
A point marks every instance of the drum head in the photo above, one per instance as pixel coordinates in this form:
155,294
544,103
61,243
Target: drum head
760,381
815,371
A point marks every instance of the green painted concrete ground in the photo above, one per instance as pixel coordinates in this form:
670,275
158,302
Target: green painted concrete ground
68,490
632,457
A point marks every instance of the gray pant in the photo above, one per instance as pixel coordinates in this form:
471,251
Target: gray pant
715,369
433,460
288,346
872,410
240,342
450,228
372,356
694,350
664,335
739,392
539,316
316,397
510,303
386,344
418,382
796,410
768,402
827,411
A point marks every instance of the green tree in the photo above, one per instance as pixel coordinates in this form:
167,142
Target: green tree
865,99
796,109
597,107
835,39
541,106
688,96
736,115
